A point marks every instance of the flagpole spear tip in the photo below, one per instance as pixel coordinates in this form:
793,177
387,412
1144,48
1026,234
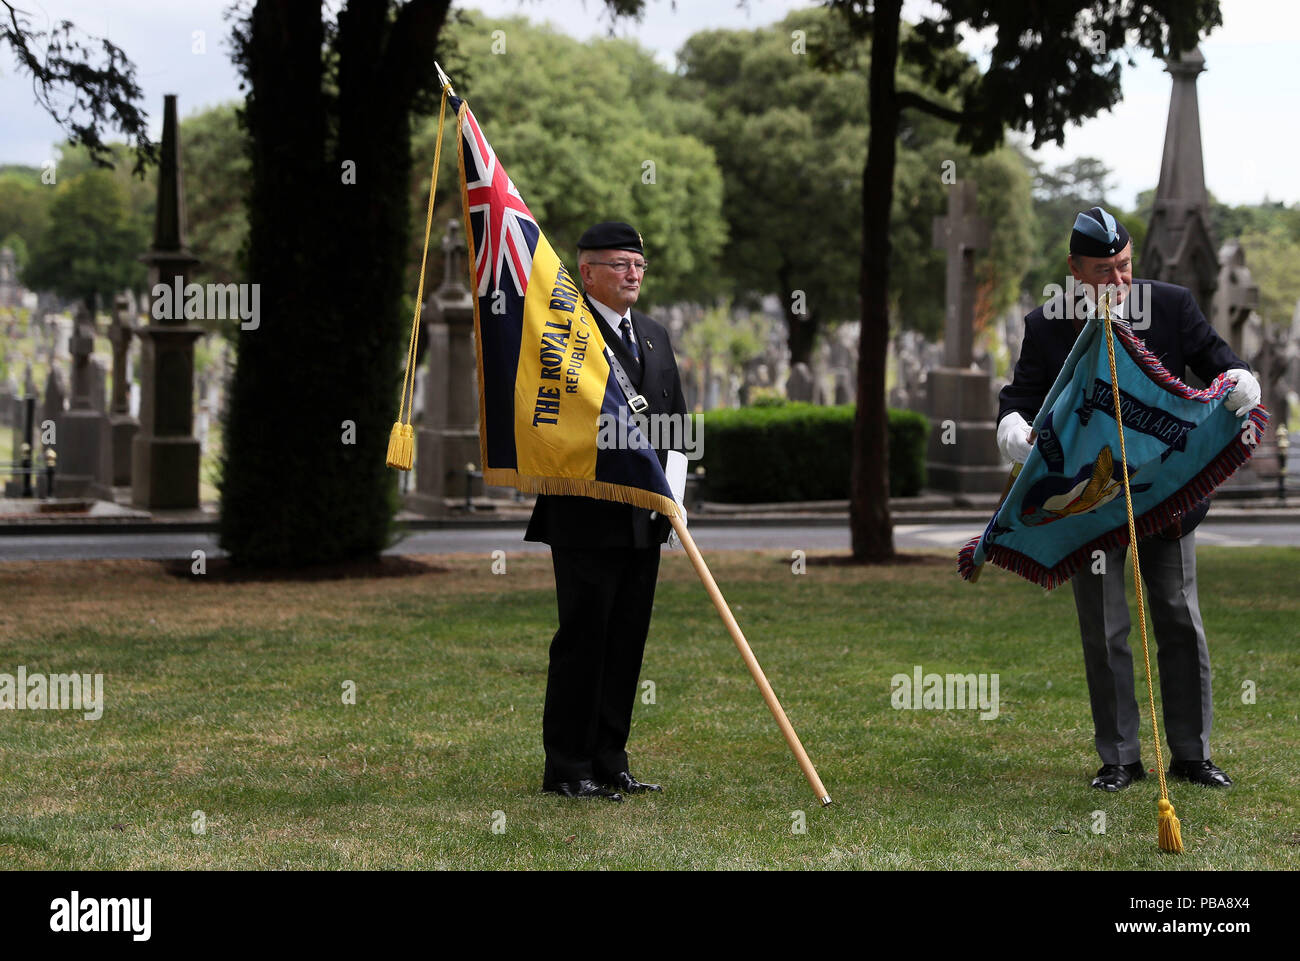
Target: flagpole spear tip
442,77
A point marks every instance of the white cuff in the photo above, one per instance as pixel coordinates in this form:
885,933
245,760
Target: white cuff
676,473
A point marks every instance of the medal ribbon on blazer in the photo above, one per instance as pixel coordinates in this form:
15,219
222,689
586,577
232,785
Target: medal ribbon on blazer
543,378
1068,498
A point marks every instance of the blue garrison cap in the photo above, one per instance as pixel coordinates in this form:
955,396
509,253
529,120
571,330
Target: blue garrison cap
1097,234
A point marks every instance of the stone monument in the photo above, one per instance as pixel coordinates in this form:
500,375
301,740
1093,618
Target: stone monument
963,453
165,453
799,385
1236,297
447,437
83,438
11,294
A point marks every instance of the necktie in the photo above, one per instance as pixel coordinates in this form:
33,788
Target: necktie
628,340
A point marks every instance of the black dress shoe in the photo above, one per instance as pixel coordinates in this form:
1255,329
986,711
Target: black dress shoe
1199,772
1116,777
583,788
627,783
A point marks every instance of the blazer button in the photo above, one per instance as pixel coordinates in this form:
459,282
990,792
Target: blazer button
665,391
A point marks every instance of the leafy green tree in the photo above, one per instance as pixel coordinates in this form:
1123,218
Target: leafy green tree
91,246
1050,64
24,206
1059,195
720,342
1273,256
588,131
791,139
214,154
1270,234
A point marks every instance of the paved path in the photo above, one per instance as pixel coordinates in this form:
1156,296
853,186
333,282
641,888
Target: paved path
510,539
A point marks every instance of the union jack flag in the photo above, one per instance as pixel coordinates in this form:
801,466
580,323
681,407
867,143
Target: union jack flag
505,232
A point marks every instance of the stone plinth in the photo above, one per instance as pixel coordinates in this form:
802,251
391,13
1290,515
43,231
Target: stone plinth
164,455
962,457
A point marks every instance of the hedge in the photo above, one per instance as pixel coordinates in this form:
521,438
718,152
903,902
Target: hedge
801,452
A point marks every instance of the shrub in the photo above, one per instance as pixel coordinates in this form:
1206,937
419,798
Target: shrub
801,452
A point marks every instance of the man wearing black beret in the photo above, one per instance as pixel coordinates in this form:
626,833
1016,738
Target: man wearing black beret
606,554
1168,320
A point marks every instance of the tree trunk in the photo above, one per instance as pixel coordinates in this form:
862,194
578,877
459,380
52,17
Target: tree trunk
801,335
869,522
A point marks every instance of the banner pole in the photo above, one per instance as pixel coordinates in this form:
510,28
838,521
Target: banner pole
719,602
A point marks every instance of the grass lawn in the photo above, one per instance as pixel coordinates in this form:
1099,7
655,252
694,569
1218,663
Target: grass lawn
226,697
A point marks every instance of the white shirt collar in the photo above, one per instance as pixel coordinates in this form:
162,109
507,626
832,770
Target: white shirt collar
615,320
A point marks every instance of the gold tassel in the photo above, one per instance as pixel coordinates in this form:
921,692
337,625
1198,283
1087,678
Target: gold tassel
400,443
401,440
1170,831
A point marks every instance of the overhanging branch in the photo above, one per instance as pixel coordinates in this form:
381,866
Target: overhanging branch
906,98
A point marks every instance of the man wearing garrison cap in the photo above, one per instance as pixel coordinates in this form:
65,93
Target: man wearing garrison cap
1168,320
606,554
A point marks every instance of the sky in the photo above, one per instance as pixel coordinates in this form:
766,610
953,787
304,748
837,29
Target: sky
1248,94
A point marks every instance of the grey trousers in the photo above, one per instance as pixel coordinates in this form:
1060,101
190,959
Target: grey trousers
1182,658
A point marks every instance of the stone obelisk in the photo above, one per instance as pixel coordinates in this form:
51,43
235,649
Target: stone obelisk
165,452
1180,246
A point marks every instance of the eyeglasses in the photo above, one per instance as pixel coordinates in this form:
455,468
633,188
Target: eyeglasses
623,266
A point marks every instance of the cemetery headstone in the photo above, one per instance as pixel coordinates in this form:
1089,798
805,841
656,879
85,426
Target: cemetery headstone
85,466
799,385
963,454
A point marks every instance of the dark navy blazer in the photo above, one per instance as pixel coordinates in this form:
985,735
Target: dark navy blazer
1173,328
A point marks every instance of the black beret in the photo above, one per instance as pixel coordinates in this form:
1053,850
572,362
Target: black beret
1097,234
610,235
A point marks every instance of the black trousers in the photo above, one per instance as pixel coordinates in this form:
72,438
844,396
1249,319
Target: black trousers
605,596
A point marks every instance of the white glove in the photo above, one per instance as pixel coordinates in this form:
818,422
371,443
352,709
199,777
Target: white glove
1243,398
1013,438
675,471
673,541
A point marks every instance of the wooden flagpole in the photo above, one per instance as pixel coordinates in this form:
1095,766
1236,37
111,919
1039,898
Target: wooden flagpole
719,602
